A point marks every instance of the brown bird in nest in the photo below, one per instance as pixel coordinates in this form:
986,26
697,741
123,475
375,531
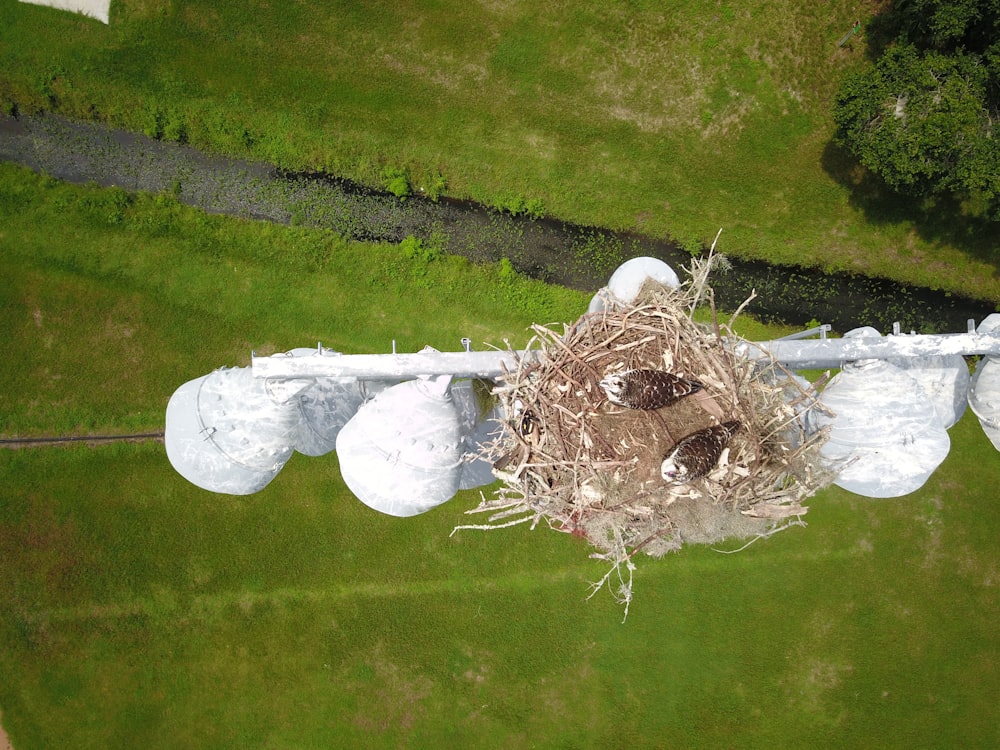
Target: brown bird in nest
698,453
647,389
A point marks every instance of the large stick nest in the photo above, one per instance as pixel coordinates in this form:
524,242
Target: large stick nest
591,468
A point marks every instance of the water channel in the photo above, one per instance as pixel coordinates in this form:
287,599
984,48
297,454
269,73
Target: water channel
577,256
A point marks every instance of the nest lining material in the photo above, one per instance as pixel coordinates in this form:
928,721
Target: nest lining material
592,469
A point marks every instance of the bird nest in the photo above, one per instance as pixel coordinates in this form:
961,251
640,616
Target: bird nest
585,466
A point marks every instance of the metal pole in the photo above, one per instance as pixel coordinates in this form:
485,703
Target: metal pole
833,353
849,34
796,354
465,364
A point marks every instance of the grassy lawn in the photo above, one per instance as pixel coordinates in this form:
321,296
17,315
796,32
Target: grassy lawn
671,118
139,611
214,290
146,612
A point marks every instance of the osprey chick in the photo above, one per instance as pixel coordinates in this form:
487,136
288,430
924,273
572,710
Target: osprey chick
647,389
698,453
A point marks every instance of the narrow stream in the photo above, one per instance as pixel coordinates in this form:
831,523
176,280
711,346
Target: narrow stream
577,256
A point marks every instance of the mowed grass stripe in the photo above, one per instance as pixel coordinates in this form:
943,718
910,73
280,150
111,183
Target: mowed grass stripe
169,605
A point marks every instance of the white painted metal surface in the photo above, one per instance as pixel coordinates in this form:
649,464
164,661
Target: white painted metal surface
488,364
796,354
230,432
833,353
99,9
401,454
984,393
886,438
480,427
628,279
944,380
327,404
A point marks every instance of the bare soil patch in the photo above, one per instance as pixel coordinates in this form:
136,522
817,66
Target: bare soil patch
4,739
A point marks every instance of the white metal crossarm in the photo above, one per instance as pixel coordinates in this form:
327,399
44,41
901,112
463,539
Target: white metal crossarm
796,354
832,353
465,364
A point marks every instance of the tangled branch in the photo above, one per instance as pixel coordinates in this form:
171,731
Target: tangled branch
592,469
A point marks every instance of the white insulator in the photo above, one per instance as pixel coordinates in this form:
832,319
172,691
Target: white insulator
230,432
326,407
601,301
944,380
481,426
886,438
984,392
401,454
796,390
628,279
327,404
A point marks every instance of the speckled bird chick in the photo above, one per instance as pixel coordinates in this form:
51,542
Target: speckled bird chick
647,389
698,453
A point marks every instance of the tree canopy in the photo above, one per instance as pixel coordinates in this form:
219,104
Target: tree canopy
926,116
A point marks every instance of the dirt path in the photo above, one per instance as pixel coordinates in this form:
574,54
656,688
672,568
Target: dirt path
90,440
4,739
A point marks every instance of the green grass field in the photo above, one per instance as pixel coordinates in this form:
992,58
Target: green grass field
139,611
671,118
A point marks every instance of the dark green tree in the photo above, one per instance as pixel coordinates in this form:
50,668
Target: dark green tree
920,121
926,116
944,25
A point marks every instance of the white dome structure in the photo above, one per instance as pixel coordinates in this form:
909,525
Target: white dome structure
627,281
943,379
326,406
984,392
230,432
99,9
401,454
796,391
886,438
480,426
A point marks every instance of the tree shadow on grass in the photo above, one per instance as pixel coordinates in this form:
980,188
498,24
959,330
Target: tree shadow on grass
940,219
881,30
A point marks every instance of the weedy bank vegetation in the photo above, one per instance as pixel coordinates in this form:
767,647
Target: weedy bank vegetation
671,118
